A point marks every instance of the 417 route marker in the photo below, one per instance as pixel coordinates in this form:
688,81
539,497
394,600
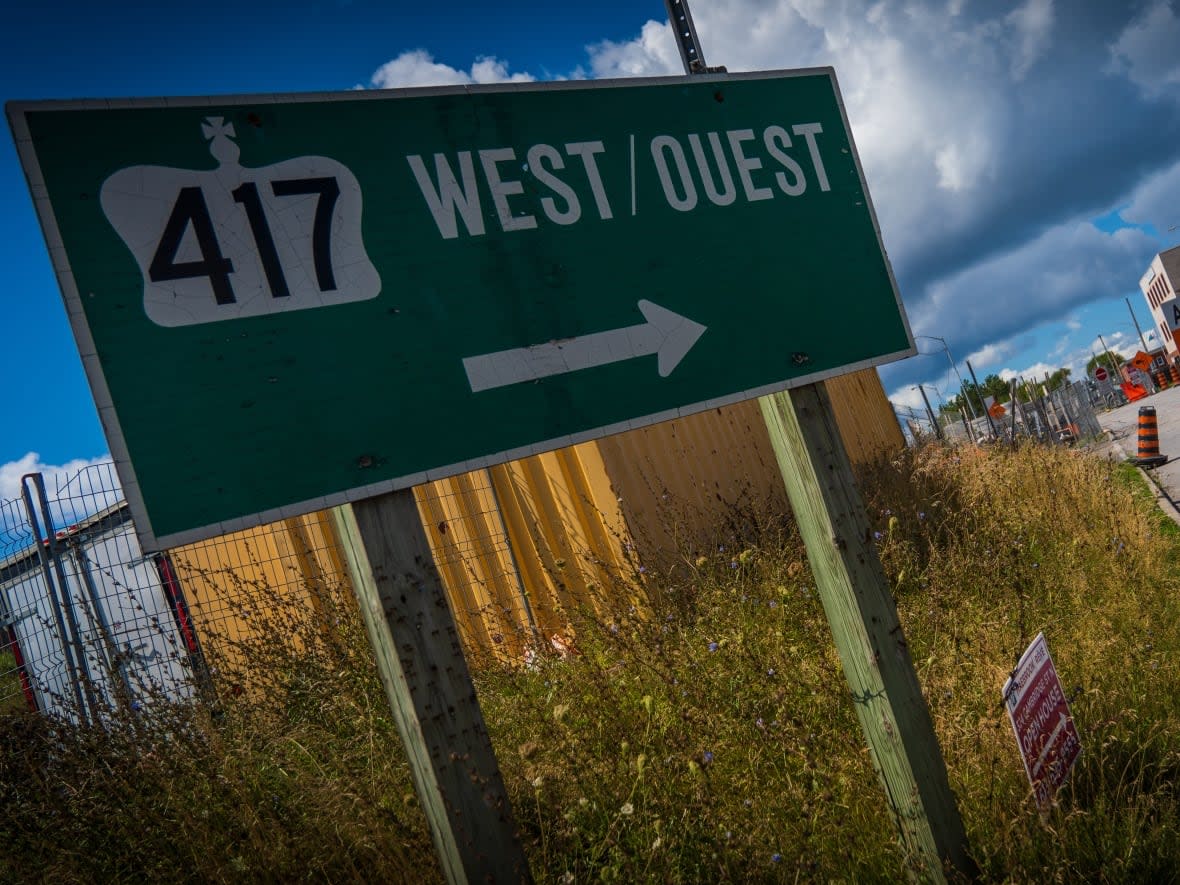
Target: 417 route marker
427,281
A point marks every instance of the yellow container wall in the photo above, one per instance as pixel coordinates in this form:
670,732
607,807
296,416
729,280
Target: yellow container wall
471,550
689,484
521,545
867,424
249,590
680,482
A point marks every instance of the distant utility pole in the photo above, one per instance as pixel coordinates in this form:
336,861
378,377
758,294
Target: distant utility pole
1142,340
1109,358
954,368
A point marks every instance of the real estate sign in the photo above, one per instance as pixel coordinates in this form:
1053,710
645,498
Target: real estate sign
287,302
1040,717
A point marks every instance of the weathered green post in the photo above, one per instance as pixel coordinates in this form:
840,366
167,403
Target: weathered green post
412,631
868,636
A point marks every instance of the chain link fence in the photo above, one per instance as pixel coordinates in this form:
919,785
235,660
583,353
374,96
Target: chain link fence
1063,416
89,622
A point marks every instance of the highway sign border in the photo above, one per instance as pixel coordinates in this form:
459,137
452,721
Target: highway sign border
16,111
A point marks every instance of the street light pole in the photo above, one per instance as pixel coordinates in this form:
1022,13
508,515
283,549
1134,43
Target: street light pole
955,369
1142,340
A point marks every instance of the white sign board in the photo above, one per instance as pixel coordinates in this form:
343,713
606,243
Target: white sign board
1040,717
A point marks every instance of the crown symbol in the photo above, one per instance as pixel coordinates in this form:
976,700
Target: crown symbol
223,150
240,241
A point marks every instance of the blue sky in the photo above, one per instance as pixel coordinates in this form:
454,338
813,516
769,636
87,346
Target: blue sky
1024,157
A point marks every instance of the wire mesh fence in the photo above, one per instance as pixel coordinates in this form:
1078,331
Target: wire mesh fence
90,623
1063,415
473,552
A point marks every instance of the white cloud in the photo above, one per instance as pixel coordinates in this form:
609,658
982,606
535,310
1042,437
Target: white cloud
1035,372
989,355
650,54
1043,279
417,67
909,398
991,135
1125,344
75,489
1156,201
1032,24
1146,50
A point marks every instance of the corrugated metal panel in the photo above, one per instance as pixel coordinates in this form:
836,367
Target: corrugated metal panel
566,530
244,585
521,544
471,549
688,483
678,482
867,423
548,524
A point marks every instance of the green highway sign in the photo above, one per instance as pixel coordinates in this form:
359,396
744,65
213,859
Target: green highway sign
286,302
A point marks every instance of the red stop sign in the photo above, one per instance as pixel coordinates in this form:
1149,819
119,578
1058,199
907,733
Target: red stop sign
1100,374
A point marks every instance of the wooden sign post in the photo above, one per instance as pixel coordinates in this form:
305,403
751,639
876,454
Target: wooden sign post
868,636
496,327
412,631
856,599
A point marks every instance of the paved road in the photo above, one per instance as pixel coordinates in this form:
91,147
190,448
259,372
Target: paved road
1123,424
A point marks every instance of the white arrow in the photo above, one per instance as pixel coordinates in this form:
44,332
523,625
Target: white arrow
666,334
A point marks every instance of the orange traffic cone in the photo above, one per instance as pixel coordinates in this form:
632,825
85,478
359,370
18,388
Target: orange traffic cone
1149,440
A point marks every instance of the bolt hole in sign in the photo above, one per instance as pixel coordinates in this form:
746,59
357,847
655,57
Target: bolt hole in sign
1040,717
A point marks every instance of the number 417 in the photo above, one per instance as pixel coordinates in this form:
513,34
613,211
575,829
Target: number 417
191,210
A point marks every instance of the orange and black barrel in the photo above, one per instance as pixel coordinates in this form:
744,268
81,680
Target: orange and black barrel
1149,439
1175,372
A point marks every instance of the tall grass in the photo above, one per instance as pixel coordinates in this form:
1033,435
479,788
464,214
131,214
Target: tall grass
705,735
292,771
11,690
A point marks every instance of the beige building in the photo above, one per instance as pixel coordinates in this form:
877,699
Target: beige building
1159,286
